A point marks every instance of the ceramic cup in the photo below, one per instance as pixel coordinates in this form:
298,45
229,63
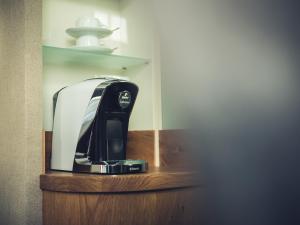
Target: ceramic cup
88,21
87,40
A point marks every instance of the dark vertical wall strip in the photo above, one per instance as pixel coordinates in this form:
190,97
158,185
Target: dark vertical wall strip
232,75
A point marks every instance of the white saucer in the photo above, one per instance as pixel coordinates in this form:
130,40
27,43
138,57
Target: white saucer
100,32
94,49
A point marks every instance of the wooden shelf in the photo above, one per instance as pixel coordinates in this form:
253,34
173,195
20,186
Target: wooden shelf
155,179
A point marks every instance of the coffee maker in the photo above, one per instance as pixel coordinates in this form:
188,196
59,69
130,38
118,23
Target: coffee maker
90,127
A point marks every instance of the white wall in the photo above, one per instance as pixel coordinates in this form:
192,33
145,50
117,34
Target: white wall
135,38
221,54
58,15
142,39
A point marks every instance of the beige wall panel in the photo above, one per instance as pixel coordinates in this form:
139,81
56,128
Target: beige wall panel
20,112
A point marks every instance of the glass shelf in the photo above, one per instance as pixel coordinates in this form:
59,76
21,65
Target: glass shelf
68,56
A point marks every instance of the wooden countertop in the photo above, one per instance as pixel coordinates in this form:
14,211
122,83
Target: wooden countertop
154,179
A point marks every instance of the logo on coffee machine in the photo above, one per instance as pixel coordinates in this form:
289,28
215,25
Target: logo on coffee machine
124,99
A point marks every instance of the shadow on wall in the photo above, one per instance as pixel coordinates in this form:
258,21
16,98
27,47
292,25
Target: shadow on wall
230,71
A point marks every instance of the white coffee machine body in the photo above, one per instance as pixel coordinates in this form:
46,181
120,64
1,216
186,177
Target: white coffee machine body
90,127
70,109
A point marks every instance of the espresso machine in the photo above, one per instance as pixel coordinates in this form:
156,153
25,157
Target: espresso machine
90,127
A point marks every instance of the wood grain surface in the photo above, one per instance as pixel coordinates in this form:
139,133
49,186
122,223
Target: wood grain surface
154,179
48,149
140,145
173,149
172,207
162,196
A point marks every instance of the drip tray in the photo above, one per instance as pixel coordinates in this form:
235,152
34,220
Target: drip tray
120,167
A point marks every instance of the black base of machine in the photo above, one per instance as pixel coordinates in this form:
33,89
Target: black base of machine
119,167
